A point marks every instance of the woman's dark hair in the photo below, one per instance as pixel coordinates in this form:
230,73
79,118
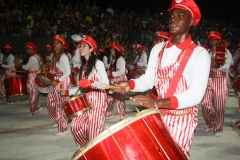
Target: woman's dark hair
90,64
56,59
100,57
117,55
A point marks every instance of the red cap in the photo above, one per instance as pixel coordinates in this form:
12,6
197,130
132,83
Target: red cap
138,46
204,46
161,34
214,35
238,44
48,46
145,48
89,40
117,47
111,43
7,46
188,5
59,38
101,50
225,43
31,45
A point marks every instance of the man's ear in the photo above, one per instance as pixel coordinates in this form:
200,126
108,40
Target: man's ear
192,21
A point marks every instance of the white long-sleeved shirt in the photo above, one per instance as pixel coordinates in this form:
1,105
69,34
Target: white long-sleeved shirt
228,62
9,61
32,62
196,73
99,72
142,61
64,66
121,67
76,59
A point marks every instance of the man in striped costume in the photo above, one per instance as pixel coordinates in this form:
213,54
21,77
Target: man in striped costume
215,98
179,91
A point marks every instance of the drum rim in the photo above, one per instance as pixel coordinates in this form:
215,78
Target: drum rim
74,97
39,88
115,128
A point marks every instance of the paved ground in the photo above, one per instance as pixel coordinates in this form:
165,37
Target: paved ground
32,138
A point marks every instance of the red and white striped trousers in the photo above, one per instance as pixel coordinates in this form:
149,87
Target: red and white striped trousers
117,98
88,125
54,104
33,93
214,102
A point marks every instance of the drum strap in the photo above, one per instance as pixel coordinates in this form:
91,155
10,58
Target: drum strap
184,57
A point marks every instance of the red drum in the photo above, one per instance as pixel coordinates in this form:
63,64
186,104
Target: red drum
16,88
43,82
236,84
76,106
133,74
143,136
73,80
218,55
153,94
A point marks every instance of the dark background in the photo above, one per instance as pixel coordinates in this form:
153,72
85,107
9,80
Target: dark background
226,10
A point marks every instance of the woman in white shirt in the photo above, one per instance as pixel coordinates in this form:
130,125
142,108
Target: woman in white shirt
61,70
117,73
88,125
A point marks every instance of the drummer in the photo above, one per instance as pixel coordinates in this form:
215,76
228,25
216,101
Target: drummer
117,73
88,125
33,68
48,57
178,102
140,62
9,66
215,98
61,70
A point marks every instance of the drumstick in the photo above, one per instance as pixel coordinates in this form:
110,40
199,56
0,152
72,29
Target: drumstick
84,83
76,91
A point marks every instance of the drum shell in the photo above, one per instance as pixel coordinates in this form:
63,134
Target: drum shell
219,55
41,86
16,88
75,105
143,136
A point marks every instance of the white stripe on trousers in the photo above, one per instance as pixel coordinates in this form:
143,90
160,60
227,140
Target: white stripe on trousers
88,125
33,93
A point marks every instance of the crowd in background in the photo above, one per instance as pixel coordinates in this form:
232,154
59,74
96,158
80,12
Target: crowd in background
25,18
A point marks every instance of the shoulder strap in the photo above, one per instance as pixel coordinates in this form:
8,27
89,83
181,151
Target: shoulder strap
183,62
